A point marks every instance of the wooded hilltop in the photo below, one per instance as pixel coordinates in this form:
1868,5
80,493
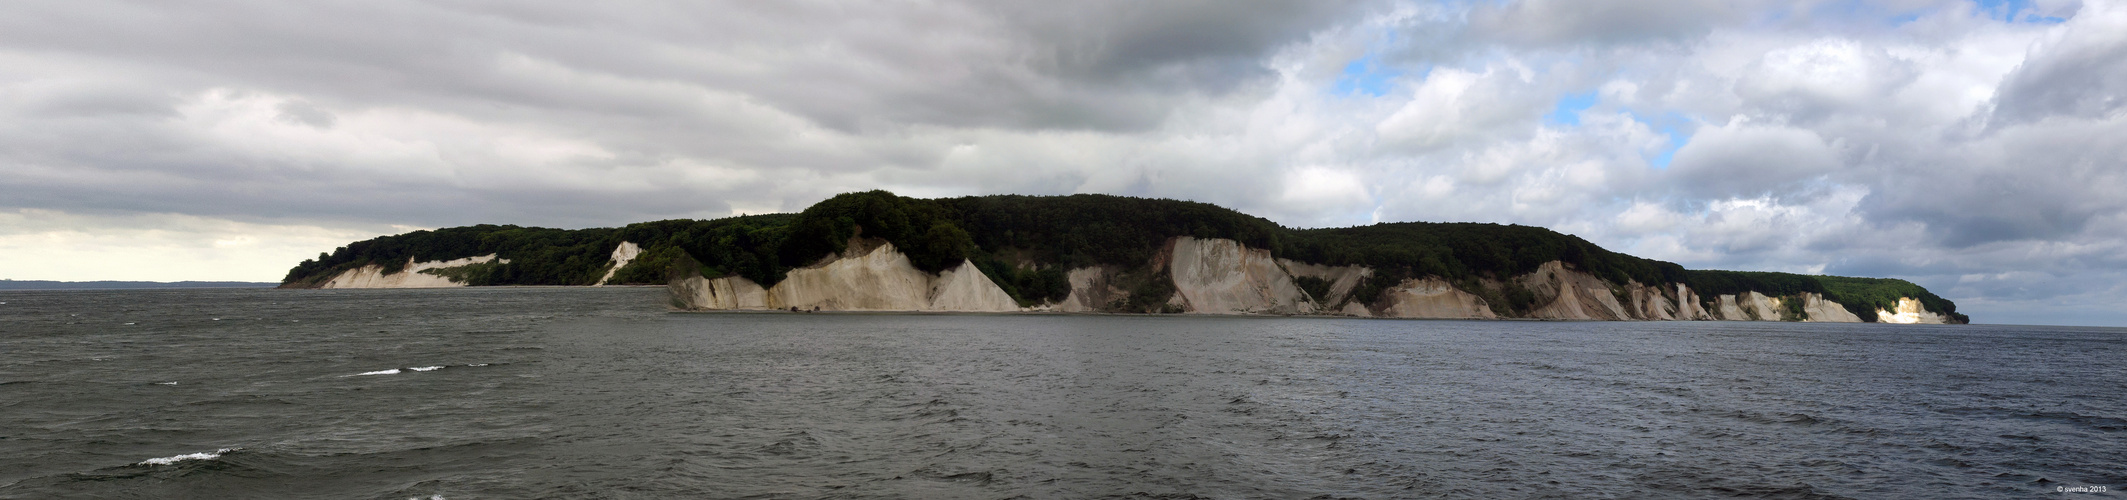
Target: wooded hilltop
1028,247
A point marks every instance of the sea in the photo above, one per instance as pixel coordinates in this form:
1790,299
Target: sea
605,393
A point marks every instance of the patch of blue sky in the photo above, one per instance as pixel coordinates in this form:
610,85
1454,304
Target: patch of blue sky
1567,112
1669,124
1366,76
1667,153
2014,11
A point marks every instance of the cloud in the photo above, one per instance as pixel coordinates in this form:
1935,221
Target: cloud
2078,71
1746,159
1972,150
1812,81
1538,22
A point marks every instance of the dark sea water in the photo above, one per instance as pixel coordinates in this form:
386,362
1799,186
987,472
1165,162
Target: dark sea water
600,393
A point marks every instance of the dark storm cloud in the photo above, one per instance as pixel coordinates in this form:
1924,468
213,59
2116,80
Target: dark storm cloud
1548,22
729,82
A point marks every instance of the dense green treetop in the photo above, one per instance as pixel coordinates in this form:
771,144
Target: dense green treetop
1025,243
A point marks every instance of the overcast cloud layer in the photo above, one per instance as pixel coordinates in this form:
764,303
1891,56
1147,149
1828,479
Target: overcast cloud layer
1977,148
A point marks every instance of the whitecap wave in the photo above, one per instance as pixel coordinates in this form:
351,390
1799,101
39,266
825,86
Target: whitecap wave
394,371
426,368
205,455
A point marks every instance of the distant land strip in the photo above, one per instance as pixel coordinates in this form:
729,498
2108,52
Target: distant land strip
7,284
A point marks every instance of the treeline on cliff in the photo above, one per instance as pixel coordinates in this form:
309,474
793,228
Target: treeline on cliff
1027,243
538,256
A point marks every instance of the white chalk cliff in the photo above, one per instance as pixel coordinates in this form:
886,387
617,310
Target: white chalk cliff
1092,288
1909,312
1824,311
1341,282
622,255
875,279
1221,276
726,293
1572,294
1433,298
1648,303
1689,307
1762,307
372,276
966,289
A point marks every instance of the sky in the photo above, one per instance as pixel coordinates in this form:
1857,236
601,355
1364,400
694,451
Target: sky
1978,148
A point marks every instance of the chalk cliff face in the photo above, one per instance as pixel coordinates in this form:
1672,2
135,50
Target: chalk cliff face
372,276
622,255
1433,298
1572,294
1909,312
1091,289
1221,276
875,279
1218,276
1824,311
878,280
966,289
1762,307
730,292
1341,282
1648,303
1689,307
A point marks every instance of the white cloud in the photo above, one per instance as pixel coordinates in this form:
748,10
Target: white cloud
1921,139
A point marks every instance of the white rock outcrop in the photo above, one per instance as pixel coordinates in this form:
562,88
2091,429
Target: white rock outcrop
1220,276
1909,312
1689,307
1818,310
878,279
1092,288
1210,276
1762,307
1726,308
1571,294
622,255
1433,298
1648,303
1354,309
1341,281
881,279
372,276
726,293
966,289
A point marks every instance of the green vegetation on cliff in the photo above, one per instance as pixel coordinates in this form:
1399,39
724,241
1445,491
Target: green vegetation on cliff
1026,243
537,255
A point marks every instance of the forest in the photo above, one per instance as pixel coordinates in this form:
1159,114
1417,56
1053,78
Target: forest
1026,243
